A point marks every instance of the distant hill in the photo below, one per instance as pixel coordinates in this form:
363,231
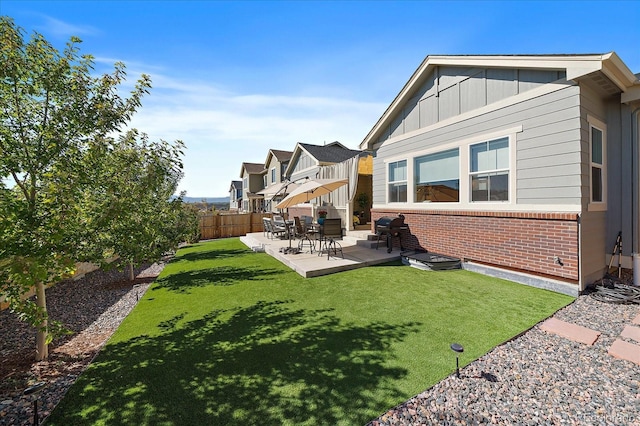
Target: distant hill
216,200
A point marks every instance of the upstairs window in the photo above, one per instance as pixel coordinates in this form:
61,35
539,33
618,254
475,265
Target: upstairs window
437,177
273,175
397,182
489,170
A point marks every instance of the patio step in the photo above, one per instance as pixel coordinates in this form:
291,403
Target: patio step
364,238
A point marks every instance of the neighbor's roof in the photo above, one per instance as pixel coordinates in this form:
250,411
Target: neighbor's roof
282,155
575,66
334,152
252,168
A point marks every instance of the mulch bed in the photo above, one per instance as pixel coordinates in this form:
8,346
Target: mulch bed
92,307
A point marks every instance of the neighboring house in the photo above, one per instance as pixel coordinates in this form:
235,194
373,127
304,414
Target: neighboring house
274,178
235,196
252,175
336,161
525,163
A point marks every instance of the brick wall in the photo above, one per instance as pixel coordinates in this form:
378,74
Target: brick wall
527,242
298,211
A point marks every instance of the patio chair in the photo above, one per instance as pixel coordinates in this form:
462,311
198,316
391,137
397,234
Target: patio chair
266,227
304,233
278,229
297,229
279,220
306,221
331,233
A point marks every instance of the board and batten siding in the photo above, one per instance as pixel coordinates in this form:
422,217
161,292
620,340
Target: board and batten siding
451,91
548,150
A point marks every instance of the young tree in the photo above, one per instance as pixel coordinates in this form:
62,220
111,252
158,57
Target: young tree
132,209
52,113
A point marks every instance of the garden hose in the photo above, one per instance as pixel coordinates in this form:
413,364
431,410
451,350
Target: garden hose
617,293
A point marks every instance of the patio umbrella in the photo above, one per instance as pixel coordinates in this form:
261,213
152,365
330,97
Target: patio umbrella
282,188
309,190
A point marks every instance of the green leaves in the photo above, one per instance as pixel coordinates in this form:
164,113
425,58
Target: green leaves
76,193
132,210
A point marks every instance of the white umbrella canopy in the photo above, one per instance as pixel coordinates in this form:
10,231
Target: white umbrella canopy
279,189
311,189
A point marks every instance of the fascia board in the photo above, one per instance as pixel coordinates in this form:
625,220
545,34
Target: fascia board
517,61
618,72
268,159
631,95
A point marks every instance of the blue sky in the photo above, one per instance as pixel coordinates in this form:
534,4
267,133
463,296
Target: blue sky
234,79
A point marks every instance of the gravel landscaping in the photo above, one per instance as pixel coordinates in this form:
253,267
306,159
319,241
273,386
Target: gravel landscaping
92,307
536,378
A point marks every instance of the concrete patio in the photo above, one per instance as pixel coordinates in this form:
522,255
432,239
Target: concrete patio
358,250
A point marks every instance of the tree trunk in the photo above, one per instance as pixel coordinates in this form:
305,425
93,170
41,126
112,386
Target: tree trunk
131,274
42,349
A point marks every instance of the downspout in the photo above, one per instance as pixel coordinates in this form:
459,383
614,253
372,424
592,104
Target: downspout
635,195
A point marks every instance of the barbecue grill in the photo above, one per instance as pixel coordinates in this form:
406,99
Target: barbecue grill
389,227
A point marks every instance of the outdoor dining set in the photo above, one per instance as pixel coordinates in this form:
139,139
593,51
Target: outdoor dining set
321,238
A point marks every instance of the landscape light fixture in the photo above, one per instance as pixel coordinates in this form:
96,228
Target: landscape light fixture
458,349
31,390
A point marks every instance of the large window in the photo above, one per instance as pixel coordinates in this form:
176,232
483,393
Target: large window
597,165
398,182
437,177
489,170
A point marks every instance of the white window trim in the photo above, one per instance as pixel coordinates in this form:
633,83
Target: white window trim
598,124
464,167
409,169
509,170
274,177
460,183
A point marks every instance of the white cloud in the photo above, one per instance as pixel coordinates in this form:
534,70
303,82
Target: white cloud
62,29
223,129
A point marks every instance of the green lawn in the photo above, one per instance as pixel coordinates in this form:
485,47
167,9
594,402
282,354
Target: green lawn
228,336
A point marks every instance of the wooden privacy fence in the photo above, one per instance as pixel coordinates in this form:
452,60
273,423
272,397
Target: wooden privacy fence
214,226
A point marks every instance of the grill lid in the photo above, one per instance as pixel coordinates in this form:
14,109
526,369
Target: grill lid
390,222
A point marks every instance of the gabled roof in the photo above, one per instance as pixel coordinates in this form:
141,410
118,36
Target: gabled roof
252,168
235,184
281,156
331,153
334,152
575,66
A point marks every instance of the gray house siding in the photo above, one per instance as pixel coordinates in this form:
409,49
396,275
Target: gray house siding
450,91
548,150
619,177
454,102
310,173
592,251
593,223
